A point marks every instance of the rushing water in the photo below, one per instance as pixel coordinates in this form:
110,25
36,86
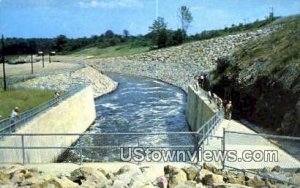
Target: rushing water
141,105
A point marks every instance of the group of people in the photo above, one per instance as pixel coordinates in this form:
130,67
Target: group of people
204,83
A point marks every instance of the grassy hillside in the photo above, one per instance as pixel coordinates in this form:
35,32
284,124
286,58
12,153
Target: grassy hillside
23,98
263,78
112,51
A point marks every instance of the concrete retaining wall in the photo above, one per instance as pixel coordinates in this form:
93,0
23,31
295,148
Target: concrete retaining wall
198,110
73,115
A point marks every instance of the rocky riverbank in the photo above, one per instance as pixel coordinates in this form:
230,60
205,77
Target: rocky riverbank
179,65
129,175
64,81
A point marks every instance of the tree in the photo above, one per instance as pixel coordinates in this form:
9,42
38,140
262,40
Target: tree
126,33
159,32
185,17
109,34
59,42
178,37
158,24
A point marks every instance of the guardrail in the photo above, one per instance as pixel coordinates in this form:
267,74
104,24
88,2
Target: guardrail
210,126
26,145
7,127
25,142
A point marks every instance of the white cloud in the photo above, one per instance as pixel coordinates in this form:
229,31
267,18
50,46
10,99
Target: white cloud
111,4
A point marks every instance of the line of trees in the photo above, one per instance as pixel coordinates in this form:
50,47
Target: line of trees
159,36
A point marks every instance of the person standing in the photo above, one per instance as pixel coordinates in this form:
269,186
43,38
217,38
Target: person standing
13,117
228,110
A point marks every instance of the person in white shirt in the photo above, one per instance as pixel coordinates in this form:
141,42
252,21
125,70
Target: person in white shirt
14,115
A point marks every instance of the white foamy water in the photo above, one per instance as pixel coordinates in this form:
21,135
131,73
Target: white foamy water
138,105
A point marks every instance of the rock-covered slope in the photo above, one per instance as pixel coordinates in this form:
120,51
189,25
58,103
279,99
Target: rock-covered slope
179,65
136,176
263,79
64,81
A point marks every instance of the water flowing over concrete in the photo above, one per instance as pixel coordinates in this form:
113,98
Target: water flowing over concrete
139,104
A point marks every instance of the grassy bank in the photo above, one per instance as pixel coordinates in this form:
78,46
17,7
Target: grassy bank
25,99
112,51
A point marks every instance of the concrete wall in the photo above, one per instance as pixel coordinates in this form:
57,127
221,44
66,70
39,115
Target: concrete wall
73,115
198,110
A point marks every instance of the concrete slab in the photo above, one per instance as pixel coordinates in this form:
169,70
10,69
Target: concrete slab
253,151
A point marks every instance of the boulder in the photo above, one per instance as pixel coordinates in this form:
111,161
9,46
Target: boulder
176,175
238,179
210,167
229,185
162,182
276,168
211,179
191,172
295,179
186,184
256,182
55,182
201,174
4,176
87,173
129,174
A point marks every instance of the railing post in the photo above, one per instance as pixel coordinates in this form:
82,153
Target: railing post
223,150
203,136
80,150
207,133
197,148
23,149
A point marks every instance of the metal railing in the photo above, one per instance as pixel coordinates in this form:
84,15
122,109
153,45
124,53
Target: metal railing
210,126
264,152
24,143
7,127
28,144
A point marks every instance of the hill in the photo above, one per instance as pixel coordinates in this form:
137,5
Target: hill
263,78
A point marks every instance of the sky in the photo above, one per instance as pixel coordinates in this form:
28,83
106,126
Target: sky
84,18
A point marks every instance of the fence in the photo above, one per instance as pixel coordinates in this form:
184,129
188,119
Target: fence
28,148
7,127
13,79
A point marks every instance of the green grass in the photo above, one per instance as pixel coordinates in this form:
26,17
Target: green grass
279,49
25,99
14,57
112,51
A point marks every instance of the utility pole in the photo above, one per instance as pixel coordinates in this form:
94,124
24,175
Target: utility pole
31,64
49,57
3,61
271,16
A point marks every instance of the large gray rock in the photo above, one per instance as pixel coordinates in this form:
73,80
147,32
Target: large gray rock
191,172
88,174
176,175
295,179
130,175
211,179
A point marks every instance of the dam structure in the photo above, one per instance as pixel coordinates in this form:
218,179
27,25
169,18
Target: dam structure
142,112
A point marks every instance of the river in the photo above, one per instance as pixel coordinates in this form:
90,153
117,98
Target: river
142,105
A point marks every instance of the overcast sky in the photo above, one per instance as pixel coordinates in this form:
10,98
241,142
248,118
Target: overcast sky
78,18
